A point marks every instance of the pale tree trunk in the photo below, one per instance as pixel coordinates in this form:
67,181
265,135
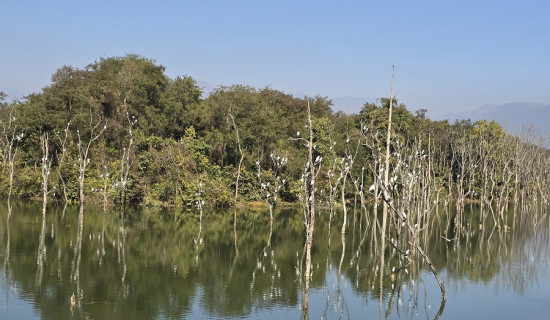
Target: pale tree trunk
310,191
45,174
46,165
348,165
385,191
61,160
344,207
240,152
83,152
125,161
10,139
309,209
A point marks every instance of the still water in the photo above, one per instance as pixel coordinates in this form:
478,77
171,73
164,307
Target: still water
168,264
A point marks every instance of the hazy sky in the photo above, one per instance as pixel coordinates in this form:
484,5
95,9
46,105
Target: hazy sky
448,55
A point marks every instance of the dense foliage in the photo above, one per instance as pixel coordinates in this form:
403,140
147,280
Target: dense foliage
164,143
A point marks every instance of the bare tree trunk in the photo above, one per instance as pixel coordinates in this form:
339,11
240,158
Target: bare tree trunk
61,160
11,159
309,177
46,164
45,174
83,152
310,192
10,139
385,190
240,152
125,161
344,207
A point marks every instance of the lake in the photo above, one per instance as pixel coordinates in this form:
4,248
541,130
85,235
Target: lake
144,263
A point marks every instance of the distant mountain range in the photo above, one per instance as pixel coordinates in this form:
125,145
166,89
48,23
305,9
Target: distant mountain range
512,116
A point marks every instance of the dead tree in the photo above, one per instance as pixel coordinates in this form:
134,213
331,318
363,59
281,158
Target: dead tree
385,187
10,139
234,126
61,160
83,152
125,161
271,188
46,168
309,176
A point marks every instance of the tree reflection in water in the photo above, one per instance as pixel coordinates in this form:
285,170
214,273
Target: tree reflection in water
141,264
41,257
6,253
77,258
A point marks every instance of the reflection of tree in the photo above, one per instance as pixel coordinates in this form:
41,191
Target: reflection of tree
121,245
198,240
103,234
77,257
307,278
7,251
164,277
341,299
45,169
236,248
40,260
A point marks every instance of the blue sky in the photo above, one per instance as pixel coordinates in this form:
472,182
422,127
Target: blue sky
449,55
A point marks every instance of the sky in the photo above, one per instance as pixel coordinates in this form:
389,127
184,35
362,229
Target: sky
449,56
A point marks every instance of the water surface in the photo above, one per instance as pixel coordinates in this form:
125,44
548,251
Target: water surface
171,264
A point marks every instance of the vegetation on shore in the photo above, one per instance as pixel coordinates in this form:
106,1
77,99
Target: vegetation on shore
131,134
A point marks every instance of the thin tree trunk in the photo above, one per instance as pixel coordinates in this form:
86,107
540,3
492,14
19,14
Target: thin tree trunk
309,192
240,152
385,190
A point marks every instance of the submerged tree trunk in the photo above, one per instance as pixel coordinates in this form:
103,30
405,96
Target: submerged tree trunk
310,192
45,174
309,206
385,191
344,207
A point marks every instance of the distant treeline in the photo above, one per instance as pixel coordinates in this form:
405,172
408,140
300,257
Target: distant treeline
131,134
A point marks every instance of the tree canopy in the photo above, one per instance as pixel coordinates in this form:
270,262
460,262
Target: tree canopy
166,142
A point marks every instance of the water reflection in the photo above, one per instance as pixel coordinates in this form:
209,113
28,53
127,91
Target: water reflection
236,246
152,263
121,246
41,257
6,238
77,258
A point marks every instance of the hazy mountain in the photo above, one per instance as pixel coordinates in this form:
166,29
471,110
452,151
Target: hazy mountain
512,116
